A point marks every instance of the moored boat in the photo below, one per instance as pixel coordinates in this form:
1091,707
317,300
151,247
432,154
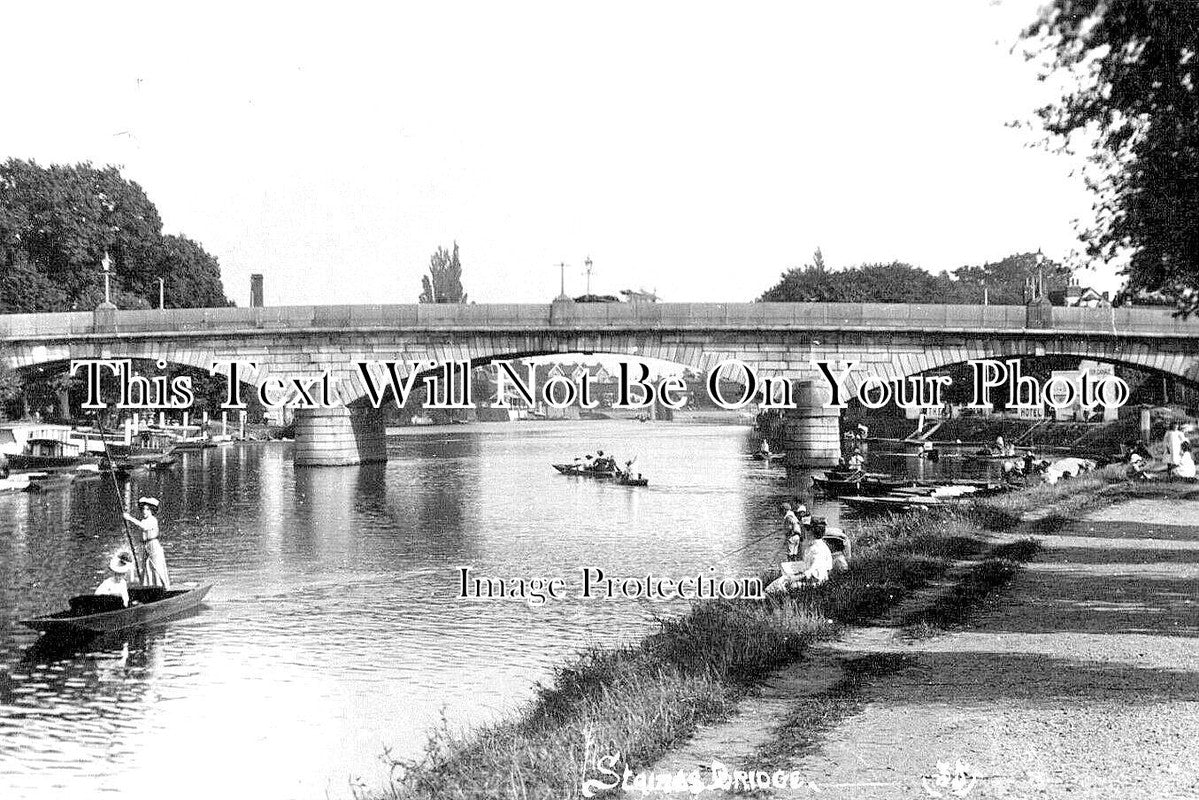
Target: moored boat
859,483
193,445
14,483
44,454
93,615
49,481
889,503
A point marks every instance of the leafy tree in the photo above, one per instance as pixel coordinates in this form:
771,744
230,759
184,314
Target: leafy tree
1004,280
1131,68
895,282
812,283
898,282
444,282
56,224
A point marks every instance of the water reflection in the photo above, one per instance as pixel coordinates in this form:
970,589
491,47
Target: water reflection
334,628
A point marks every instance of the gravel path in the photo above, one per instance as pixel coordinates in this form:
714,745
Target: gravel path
1083,682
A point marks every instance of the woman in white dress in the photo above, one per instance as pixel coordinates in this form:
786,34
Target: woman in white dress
154,565
117,584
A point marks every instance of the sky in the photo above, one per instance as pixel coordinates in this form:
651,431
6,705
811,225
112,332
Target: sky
695,149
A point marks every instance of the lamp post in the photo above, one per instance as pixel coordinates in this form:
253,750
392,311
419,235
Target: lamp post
105,264
1040,273
162,293
587,264
562,279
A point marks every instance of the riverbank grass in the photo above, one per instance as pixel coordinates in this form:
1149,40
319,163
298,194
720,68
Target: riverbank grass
641,700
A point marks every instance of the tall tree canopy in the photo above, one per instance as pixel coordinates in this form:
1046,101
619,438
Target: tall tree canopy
443,284
56,224
1130,70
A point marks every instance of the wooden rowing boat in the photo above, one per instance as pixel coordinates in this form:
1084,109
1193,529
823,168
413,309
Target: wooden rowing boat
625,480
858,485
585,472
88,615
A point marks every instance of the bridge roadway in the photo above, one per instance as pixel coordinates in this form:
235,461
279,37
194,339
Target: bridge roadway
777,339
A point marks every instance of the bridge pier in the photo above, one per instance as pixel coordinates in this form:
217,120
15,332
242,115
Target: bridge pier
811,432
332,437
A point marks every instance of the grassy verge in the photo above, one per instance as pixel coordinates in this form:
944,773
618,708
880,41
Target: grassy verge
641,700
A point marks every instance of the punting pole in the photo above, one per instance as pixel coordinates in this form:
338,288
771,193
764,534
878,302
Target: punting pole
112,473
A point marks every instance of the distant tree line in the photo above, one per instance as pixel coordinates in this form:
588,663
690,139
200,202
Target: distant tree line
1000,283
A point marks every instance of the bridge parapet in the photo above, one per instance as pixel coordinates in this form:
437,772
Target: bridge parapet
598,317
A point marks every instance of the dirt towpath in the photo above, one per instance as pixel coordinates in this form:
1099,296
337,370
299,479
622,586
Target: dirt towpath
1081,681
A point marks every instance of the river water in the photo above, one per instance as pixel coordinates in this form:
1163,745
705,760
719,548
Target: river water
335,631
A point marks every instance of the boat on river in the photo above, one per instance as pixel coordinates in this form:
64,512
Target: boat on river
858,484
768,457
14,483
585,471
195,444
988,456
50,481
93,615
42,454
629,480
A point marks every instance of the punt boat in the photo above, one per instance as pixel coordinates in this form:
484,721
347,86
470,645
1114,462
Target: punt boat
93,615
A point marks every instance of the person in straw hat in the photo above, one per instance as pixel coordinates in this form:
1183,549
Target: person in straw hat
154,567
117,584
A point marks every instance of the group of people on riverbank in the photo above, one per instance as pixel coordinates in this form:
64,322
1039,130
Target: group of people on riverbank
1177,454
814,550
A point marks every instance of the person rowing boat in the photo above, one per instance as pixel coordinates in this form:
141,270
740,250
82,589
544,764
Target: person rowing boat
154,563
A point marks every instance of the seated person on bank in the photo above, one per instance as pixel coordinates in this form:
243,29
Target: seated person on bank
1185,468
817,558
839,545
815,567
117,584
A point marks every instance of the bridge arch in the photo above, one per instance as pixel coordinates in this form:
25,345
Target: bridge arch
775,339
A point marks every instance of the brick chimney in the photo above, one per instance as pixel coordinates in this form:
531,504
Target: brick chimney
256,290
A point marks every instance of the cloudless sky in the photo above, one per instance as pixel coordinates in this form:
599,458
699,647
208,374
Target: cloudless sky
694,148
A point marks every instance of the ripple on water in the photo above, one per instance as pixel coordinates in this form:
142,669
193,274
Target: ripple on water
334,629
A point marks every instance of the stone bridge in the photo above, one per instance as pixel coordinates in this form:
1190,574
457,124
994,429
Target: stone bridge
776,339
